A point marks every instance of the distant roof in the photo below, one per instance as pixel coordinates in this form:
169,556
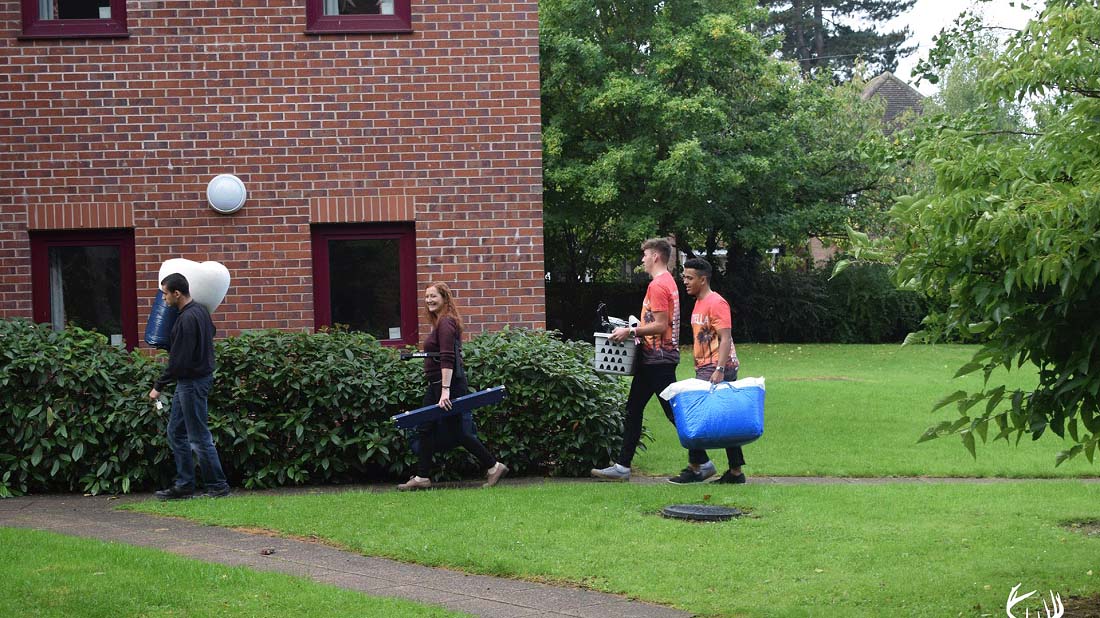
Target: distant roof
900,97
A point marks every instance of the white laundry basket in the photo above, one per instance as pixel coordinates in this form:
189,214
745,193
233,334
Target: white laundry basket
614,357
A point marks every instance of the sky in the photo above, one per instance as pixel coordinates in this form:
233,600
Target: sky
928,17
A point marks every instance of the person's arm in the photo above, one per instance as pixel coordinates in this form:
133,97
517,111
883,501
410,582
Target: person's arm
656,327
447,360
725,342
183,330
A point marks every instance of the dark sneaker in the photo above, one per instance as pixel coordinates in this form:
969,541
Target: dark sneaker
688,475
729,478
217,493
174,492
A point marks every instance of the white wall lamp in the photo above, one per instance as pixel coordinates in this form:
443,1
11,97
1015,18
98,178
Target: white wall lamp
226,194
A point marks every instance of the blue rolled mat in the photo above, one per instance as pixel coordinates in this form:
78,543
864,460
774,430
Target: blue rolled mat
159,327
464,403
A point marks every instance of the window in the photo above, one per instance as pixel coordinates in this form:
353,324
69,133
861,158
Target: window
55,19
350,16
364,277
86,279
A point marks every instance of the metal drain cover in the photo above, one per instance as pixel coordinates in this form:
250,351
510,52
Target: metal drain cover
700,512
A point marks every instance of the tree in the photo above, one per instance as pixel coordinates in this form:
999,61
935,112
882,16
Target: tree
1010,231
825,35
671,117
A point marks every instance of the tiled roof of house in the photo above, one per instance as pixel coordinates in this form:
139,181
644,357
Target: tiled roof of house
900,97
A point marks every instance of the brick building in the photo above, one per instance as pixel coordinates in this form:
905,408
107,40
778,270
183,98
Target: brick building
384,144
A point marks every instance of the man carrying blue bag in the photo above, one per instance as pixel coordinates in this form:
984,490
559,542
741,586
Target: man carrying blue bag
715,361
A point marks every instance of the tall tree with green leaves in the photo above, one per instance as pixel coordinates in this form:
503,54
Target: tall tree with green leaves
1010,232
836,36
672,117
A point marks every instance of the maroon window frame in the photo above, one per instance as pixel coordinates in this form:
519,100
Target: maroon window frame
35,27
319,23
406,259
40,272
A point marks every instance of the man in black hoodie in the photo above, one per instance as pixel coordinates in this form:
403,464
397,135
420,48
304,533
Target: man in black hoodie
191,367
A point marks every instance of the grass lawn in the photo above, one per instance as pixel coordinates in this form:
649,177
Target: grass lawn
808,550
47,575
858,410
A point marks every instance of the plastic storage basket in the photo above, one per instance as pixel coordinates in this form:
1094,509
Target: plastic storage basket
614,357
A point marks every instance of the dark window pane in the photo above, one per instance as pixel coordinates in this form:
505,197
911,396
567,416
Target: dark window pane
86,289
364,286
358,7
81,9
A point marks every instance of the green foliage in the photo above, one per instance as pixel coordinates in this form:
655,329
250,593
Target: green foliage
674,117
75,413
560,418
860,305
825,36
286,409
1010,233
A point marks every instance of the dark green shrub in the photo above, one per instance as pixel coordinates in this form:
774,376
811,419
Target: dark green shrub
560,418
287,408
75,413
870,307
294,408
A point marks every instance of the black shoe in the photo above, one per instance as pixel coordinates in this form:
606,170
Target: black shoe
217,493
688,475
174,492
729,478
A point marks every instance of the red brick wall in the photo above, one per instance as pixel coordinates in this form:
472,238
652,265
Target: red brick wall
440,127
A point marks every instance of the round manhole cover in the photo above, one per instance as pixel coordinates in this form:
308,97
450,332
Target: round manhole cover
700,512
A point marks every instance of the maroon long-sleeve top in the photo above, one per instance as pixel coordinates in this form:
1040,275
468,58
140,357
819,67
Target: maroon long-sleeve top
442,340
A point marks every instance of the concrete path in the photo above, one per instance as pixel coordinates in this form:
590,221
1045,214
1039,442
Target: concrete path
98,518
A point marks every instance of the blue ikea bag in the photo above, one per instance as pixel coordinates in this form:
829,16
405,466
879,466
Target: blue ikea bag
717,416
158,329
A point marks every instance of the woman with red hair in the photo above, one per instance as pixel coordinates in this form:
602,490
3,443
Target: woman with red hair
446,379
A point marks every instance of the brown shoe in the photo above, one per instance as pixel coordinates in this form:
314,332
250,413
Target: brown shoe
493,475
414,483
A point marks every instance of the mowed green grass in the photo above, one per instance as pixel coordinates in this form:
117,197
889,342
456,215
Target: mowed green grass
48,575
914,550
858,410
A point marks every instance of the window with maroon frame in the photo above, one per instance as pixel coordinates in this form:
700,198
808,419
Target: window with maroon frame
59,19
364,278
358,16
86,279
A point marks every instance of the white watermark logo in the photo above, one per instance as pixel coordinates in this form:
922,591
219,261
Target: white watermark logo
1054,610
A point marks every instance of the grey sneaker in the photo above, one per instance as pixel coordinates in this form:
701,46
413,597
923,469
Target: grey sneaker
707,470
614,472
493,475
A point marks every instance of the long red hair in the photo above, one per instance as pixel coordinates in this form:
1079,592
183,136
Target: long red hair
448,308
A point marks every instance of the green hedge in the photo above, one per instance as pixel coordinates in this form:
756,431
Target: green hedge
288,408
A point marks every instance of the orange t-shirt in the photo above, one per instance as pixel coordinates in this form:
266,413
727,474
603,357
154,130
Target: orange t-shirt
710,314
662,295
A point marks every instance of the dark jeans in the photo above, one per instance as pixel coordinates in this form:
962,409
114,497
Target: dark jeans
734,454
188,432
448,432
648,381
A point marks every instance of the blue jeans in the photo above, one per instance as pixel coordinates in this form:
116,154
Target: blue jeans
187,432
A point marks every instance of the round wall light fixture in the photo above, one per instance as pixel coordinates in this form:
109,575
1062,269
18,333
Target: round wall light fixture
226,194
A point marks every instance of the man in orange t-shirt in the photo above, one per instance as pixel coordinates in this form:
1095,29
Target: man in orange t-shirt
658,341
715,360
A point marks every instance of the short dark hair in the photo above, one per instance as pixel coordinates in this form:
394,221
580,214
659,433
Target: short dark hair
176,282
660,245
700,265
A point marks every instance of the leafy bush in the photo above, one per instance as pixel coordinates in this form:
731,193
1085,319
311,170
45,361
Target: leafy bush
560,416
75,413
287,408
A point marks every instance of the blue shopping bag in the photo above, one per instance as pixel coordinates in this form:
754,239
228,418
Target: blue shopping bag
717,416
